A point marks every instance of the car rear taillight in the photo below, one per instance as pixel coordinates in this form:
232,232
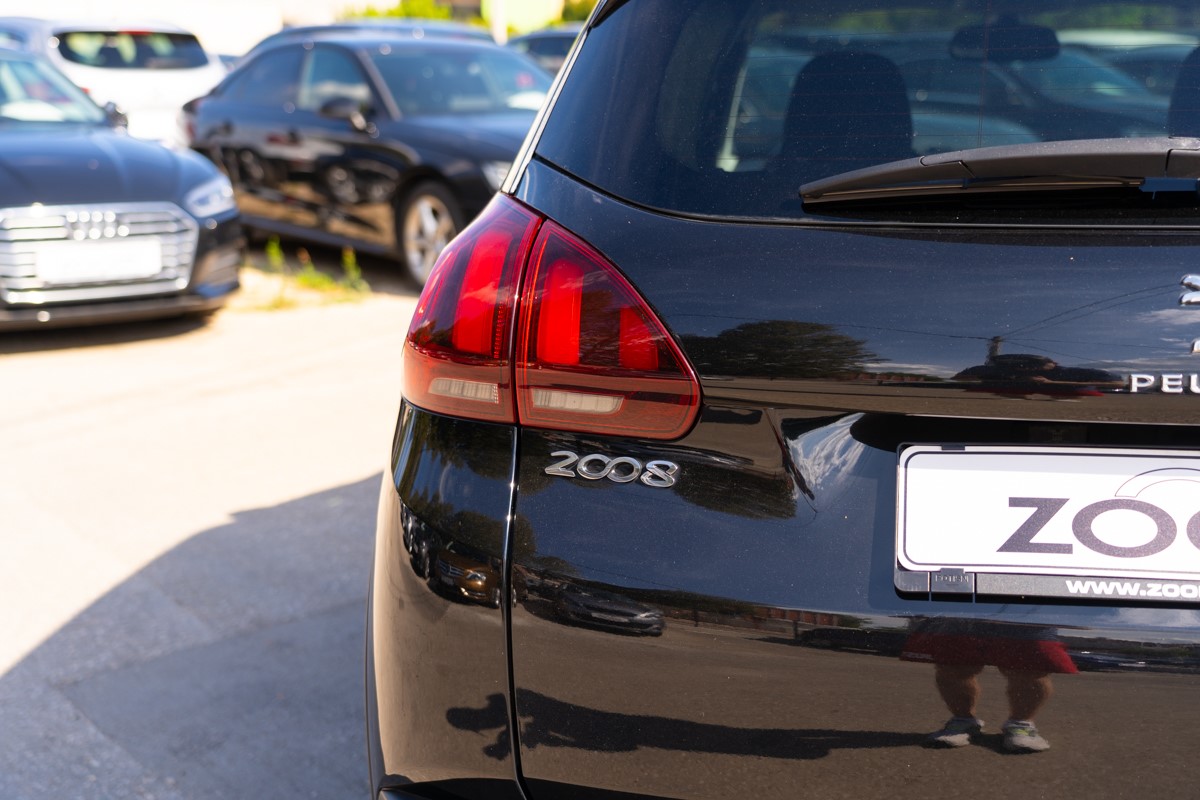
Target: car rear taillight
459,355
591,355
578,349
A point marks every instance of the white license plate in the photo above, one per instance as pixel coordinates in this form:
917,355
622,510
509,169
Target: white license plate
1050,511
68,263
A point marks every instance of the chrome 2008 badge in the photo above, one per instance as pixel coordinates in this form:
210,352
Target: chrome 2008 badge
621,469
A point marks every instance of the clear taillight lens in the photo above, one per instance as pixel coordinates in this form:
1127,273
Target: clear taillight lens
591,355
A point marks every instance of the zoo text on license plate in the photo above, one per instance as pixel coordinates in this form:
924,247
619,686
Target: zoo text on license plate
1049,511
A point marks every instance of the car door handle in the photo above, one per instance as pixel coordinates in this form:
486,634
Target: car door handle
223,128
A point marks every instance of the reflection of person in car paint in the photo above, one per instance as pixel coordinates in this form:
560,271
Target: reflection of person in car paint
959,649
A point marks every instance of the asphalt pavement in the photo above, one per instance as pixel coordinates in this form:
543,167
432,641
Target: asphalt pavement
188,512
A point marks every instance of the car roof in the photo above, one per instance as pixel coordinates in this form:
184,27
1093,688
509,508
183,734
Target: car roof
567,29
414,29
364,38
97,24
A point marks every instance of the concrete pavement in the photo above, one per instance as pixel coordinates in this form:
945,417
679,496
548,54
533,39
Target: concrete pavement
187,523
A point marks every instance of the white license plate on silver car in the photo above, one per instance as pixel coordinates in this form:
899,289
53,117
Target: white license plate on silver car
67,263
1050,511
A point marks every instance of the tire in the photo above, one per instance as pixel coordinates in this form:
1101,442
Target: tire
427,219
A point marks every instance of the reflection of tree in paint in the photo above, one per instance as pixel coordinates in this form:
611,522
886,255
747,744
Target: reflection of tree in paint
777,349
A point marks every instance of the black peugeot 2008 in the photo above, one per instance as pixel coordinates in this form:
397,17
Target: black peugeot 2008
858,340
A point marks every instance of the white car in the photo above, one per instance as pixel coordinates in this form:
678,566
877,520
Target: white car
147,69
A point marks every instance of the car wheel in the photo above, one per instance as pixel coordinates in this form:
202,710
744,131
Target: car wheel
429,218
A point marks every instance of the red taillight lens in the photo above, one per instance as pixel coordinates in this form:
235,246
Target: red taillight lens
458,359
591,355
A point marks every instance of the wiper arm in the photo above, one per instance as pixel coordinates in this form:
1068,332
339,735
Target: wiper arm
1155,164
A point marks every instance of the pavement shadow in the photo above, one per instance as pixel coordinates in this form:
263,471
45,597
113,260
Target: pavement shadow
549,722
229,667
48,339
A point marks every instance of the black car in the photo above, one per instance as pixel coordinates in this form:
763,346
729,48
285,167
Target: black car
415,28
595,607
381,141
96,226
945,404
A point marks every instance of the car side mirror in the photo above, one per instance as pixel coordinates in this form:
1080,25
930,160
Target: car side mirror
348,109
114,116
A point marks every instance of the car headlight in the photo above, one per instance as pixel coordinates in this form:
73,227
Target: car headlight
495,172
210,198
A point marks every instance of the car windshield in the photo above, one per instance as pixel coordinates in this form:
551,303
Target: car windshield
132,49
33,91
727,109
460,81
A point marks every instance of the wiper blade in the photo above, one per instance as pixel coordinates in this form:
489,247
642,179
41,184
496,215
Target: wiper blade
1153,164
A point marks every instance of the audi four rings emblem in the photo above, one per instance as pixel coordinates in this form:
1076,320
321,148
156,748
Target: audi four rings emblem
622,469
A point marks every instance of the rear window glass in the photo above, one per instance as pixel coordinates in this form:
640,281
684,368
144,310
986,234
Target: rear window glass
720,108
132,49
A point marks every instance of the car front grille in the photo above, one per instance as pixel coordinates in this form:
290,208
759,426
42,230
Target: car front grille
449,569
66,254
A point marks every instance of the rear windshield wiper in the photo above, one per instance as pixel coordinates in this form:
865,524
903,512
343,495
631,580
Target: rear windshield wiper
1156,164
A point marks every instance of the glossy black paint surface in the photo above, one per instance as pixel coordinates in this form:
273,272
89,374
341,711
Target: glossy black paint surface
778,670
846,317
822,347
440,659
778,673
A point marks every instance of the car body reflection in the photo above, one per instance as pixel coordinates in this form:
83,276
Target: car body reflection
467,573
577,604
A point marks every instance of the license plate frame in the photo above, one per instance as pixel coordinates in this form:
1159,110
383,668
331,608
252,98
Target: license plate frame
1048,521
70,263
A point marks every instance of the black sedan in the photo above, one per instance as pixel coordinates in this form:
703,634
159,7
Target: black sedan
372,139
96,226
